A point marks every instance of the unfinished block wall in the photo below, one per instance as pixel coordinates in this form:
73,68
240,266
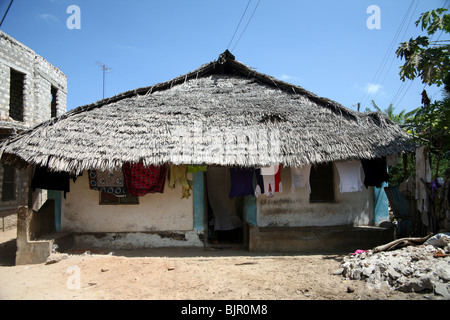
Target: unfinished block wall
31,91
28,84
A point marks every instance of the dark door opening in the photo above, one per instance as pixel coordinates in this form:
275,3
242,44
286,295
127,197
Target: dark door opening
225,215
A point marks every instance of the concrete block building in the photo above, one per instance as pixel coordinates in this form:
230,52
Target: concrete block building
31,91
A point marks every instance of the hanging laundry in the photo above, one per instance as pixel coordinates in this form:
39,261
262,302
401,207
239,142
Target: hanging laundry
259,189
141,180
270,171
278,185
226,214
43,178
349,175
392,159
300,177
269,185
423,174
241,182
108,181
375,171
179,173
195,169
272,180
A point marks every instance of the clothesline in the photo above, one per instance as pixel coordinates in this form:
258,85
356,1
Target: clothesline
139,180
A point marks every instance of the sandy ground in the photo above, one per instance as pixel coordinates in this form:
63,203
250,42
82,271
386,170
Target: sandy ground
181,274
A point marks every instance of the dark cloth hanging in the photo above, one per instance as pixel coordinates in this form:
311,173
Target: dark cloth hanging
43,178
259,181
375,171
241,182
141,180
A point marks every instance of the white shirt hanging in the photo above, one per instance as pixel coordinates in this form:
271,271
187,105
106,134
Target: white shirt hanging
350,176
300,177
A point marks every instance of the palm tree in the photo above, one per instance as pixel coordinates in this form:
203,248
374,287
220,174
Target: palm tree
389,112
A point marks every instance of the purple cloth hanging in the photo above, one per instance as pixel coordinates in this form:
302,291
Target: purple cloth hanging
241,182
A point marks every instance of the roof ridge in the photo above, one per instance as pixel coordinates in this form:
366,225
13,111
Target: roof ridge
225,64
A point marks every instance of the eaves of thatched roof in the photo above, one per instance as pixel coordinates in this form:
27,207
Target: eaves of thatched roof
223,113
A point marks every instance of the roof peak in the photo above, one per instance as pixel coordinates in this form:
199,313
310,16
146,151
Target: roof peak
226,55
226,64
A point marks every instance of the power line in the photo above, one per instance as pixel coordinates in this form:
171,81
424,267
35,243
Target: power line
405,93
402,87
4,16
246,25
399,91
385,59
248,3
390,48
430,41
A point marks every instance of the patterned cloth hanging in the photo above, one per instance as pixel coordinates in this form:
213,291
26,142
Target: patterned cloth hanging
141,180
110,182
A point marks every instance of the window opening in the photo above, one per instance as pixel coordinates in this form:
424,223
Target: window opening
54,93
9,185
322,183
16,92
110,199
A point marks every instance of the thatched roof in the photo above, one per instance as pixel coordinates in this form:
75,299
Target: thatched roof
223,113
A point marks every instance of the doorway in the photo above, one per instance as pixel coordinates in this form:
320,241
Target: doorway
225,215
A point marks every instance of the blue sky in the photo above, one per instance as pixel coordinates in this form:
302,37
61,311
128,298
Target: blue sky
324,46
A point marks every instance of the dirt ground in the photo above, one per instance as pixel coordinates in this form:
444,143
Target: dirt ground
181,274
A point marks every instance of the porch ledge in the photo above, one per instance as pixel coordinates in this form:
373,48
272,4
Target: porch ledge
327,239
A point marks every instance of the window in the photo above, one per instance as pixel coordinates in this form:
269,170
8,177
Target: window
16,89
108,198
9,185
53,104
322,183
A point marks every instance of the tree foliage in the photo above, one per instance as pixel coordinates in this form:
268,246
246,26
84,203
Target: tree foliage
430,61
389,112
425,58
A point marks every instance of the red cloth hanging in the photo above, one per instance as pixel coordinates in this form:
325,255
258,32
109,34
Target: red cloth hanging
278,180
141,180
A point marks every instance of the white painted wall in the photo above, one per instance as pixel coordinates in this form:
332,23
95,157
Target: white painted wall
295,210
82,212
155,212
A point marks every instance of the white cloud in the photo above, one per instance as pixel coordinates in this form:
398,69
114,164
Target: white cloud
124,47
372,88
288,77
47,17
285,77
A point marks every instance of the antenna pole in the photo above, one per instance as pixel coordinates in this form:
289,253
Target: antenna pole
104,69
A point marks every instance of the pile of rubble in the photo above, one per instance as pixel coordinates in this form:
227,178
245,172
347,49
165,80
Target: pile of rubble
412,268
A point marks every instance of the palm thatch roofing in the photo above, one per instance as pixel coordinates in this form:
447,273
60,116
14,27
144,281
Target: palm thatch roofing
11,127
223,113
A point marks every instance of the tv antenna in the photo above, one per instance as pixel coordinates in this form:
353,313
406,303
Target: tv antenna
104,69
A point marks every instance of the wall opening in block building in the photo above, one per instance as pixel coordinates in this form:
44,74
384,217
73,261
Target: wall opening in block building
53,104
16,92
9,185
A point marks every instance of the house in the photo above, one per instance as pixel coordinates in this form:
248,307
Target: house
221,126
31,91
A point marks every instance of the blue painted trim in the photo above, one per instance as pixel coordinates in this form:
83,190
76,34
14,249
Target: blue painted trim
199,201
56,195
380,204
250,210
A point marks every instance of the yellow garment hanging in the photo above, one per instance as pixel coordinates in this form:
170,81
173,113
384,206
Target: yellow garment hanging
195,168
179,173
